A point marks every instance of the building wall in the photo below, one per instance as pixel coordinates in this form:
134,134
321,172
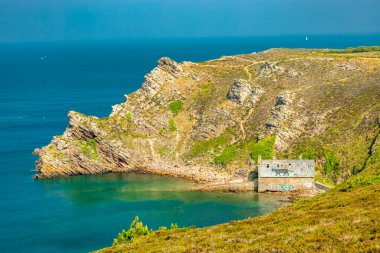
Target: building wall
282,175
286,168
285,183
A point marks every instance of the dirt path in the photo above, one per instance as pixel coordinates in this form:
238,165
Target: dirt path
177,139
248,72
243,121
153,153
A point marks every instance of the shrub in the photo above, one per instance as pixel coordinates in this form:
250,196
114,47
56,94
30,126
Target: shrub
175,106
356,169
265,148
172,125
332,163
136,229
128,116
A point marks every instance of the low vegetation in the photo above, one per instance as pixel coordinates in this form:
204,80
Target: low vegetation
226,156
343,219
264,147
360,49
332,164
89,148
136,230
128,116
201,147
172,125
175,106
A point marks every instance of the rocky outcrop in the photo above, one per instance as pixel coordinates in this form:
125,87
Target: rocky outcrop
292,73
170,66
166,71
256,93
286,123
281,110
284,98
268,69
208,125
241,92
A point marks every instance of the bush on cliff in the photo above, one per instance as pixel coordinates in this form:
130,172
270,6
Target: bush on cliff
136,229
332,163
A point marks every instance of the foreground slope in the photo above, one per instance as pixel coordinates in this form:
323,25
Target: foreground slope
205,121
344,219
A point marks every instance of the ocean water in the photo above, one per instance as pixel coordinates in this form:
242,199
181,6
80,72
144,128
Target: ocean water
85,213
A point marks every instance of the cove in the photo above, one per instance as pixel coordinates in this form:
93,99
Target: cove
93,209
80,214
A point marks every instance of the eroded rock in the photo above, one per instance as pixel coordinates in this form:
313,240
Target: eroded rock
241,92
268,69
166,71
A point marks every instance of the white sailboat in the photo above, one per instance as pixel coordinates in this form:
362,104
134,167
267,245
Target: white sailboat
306,38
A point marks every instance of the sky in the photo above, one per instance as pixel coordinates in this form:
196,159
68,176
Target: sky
66,20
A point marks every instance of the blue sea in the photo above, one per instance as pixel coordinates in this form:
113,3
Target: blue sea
41,82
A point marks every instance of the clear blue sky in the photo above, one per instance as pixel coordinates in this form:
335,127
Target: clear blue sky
49,20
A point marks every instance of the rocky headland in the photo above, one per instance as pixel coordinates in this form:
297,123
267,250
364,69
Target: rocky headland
206,121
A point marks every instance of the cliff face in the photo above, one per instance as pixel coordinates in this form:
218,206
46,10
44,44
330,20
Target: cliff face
203,120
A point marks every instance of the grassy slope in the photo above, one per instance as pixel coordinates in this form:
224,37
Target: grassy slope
344,219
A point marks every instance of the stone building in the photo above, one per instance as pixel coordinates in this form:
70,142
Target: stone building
283,175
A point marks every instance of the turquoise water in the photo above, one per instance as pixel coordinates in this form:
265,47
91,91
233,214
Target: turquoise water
84,213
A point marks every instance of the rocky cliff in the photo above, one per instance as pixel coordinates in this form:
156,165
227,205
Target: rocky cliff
205,121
